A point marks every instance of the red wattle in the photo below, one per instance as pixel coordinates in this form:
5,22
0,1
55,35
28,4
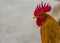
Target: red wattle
38,22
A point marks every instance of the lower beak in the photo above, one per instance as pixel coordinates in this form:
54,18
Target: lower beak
34,16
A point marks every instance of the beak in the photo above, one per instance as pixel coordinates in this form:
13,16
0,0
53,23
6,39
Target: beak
34,16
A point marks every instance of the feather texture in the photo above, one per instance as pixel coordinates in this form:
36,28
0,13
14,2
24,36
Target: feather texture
50,31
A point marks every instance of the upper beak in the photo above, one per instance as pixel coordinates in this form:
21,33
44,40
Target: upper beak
34,16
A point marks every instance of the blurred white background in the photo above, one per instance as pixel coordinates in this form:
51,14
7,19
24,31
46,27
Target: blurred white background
16,21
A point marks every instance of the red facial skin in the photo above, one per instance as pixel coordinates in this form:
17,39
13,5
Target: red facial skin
40,20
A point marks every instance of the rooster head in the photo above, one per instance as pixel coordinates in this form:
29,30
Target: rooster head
40,12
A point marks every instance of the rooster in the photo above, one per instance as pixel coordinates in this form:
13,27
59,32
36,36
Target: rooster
50,29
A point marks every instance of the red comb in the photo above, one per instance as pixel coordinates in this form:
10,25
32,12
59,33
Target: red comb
42,8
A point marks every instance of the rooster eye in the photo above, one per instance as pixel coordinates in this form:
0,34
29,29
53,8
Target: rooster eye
40,14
